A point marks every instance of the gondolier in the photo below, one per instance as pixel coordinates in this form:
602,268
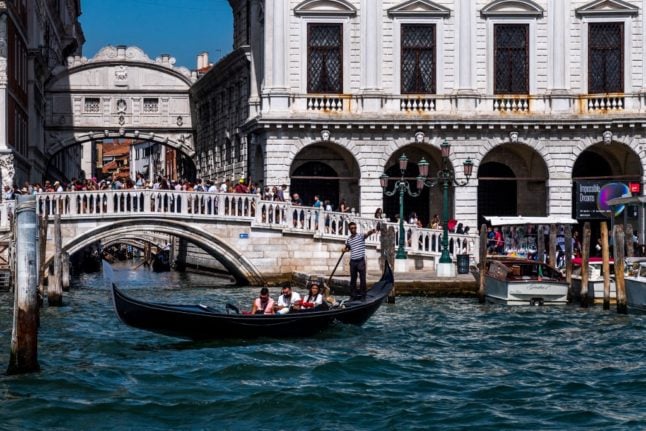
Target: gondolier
356,245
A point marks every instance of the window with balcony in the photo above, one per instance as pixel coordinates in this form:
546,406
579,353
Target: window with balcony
511,59
324,58
605,57
418,59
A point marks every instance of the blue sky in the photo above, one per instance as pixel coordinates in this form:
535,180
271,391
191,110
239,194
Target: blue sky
181,28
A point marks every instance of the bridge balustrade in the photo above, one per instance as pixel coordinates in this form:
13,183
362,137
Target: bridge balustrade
202,206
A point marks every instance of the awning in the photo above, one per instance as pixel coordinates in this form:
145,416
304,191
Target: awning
518,220
628,200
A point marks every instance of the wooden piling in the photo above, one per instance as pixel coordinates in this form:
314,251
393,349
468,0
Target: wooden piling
55,285
551,252
586,297
618,236
42,250
568,256
24,337
482,266
65,277
605,257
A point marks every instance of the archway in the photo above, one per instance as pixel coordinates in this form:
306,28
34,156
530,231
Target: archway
429,202
601,172
512,180
236,264
329,171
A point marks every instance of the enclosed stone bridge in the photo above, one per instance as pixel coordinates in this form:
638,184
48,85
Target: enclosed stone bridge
254,240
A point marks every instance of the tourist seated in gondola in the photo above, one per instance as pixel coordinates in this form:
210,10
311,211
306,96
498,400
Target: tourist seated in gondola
287,301
263,304
314,299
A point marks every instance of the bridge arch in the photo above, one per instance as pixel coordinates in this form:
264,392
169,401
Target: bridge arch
238,266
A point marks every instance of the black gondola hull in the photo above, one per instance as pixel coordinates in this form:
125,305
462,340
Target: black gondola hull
200,322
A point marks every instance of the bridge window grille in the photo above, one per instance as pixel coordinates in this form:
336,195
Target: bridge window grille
325,58
151,105
92,105
511,59
605,57
418,59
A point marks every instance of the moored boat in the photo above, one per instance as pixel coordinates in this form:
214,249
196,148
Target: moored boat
595,280
516,281
636,288
204,322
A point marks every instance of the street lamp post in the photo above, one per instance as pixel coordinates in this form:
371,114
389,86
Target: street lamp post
401,186
445,177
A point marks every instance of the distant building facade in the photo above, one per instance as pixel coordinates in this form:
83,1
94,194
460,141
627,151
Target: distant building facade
36,36
546,97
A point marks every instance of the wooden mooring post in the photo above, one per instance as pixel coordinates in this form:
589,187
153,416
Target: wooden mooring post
586,298
55,285
65,275
618,236
42,253
568,259
605,262
482,266
540,246
551,252
24,336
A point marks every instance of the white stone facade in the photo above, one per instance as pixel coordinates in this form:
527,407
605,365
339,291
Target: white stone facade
119,93
545,138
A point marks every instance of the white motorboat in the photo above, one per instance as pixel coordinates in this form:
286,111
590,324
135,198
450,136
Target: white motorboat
515,281
635,282
595,281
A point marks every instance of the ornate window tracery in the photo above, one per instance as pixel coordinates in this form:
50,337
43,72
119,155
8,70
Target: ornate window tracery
325,58
418,58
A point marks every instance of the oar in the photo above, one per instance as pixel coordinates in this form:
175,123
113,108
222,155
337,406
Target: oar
329,280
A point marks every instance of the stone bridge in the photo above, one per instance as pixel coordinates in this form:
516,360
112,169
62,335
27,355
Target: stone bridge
254,240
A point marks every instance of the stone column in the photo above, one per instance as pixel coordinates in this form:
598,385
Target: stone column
276,46
558,17
465,28
370,40
255,66
3,83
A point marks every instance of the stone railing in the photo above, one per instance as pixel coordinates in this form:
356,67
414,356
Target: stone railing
203,207
437,105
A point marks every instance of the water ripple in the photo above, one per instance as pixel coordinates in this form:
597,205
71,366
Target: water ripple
424,363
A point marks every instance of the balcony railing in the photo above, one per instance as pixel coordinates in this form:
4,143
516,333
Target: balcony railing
435,105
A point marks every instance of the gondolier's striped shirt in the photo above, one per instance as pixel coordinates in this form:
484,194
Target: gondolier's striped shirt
357,246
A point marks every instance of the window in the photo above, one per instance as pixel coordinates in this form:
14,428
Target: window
228,151
238,148
151,105
92,105
325,58
605,57
418,59
511,59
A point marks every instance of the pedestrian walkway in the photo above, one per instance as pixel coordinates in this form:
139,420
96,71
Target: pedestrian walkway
418,283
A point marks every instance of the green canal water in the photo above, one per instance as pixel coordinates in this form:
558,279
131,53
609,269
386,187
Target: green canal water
421,364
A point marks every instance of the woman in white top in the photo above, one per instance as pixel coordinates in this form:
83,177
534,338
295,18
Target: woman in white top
314,298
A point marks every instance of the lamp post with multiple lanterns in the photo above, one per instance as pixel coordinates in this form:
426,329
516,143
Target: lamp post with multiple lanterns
445,177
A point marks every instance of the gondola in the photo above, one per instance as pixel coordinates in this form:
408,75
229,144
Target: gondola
200,322
161,261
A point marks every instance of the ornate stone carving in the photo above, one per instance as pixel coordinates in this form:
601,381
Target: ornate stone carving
325,135
121,76
513,137
607,137
121,106
7,169
180,121
419,137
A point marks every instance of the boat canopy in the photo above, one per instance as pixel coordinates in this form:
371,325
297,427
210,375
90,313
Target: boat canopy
520,220
628,200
